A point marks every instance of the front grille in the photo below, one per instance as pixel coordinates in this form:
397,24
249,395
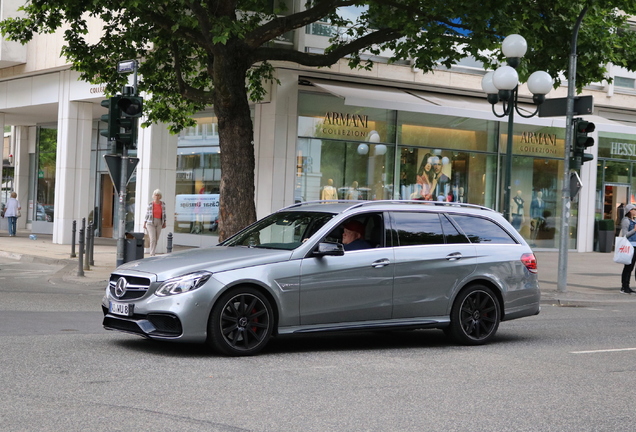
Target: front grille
136,286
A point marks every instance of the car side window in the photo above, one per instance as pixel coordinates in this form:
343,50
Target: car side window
367,229
452,235
480,230
418,228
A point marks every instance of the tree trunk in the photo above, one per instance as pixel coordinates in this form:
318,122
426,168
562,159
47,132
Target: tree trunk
237,208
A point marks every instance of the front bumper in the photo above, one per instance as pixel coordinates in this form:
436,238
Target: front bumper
155,325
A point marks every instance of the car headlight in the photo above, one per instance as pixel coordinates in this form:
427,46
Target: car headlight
182,284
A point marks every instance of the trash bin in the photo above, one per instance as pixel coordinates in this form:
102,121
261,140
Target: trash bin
134,249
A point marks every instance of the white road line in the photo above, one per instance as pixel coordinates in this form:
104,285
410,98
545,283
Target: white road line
603,351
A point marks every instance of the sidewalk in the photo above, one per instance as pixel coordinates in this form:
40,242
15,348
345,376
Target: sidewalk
43,250
592,277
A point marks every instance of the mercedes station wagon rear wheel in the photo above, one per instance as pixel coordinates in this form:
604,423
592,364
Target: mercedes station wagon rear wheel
241,322
475,316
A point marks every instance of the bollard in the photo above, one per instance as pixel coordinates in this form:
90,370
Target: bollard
87,248
169,247
91,249
80,271
73,239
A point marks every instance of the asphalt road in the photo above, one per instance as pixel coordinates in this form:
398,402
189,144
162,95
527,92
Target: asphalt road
568,369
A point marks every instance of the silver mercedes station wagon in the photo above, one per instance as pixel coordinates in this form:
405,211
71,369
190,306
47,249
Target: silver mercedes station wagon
333,266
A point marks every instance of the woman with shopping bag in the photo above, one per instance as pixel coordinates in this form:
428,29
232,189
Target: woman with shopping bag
628,230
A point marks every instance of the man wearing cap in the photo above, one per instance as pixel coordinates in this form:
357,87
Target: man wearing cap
353,236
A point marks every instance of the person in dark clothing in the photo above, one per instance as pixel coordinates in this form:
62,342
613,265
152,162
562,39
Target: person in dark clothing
353,236
628,229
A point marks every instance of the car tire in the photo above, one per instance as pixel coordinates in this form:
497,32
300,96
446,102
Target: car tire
475,316
241,322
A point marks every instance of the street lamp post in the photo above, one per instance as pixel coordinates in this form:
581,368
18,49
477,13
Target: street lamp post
503,85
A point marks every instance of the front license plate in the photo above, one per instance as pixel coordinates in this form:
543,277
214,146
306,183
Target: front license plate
124,309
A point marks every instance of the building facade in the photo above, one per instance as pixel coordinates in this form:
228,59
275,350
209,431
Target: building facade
391,132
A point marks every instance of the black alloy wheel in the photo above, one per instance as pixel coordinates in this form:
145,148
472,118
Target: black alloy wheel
475,316
241,322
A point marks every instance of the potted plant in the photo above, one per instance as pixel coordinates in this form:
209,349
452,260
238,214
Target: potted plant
606,234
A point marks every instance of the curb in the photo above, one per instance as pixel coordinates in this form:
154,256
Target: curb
34,258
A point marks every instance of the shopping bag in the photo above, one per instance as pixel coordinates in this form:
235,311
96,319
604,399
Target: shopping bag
147,239
623,251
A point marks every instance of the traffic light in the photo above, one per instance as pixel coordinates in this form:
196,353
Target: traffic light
581,142
130,108
127,135
112,118
112,124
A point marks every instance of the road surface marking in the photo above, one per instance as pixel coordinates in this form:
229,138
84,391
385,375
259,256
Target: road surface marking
603,351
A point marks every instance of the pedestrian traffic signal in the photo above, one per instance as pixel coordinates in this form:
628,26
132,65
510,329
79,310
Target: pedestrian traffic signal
127,135
581,142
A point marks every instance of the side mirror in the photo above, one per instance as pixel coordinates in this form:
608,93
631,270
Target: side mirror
329,249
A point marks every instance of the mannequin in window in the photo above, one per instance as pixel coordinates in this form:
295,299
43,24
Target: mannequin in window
329,192
537,206
353,193
517,210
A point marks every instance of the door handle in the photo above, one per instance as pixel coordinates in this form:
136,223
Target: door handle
454,256
381,263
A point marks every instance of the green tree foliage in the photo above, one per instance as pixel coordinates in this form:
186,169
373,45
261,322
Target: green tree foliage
196,53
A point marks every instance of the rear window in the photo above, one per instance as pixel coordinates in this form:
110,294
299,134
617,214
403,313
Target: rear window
480,230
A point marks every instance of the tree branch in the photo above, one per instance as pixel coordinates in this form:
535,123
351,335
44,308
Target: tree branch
330,58
283,24
186,90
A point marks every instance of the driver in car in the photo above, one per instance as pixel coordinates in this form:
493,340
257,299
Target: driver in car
353,236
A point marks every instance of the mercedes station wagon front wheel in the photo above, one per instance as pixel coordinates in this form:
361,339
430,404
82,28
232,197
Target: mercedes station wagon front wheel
475,316
241,322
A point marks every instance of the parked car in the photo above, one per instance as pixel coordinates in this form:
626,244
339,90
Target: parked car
456,267
43,213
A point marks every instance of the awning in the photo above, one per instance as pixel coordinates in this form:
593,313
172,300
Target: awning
373,97
364,95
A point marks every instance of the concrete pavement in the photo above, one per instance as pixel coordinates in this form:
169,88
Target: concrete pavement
592,277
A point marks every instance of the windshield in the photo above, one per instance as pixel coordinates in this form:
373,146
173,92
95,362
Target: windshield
285,230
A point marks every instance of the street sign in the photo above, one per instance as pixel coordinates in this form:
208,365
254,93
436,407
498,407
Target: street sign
575,185
557,107
113,162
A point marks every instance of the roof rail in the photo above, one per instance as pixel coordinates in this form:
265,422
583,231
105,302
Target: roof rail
359,203
421,202
339,201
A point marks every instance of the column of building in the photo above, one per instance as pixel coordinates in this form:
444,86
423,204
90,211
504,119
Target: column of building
275,136
73,196
157,152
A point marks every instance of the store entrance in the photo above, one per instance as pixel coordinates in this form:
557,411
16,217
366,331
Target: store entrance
107,204
616,196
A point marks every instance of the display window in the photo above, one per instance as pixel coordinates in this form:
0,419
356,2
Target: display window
434,174
198,179
46,168
330,170
347,152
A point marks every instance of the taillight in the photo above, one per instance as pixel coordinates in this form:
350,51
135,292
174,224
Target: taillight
530,261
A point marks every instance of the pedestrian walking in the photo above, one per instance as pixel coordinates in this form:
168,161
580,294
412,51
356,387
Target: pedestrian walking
12,213
155,219
628,229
